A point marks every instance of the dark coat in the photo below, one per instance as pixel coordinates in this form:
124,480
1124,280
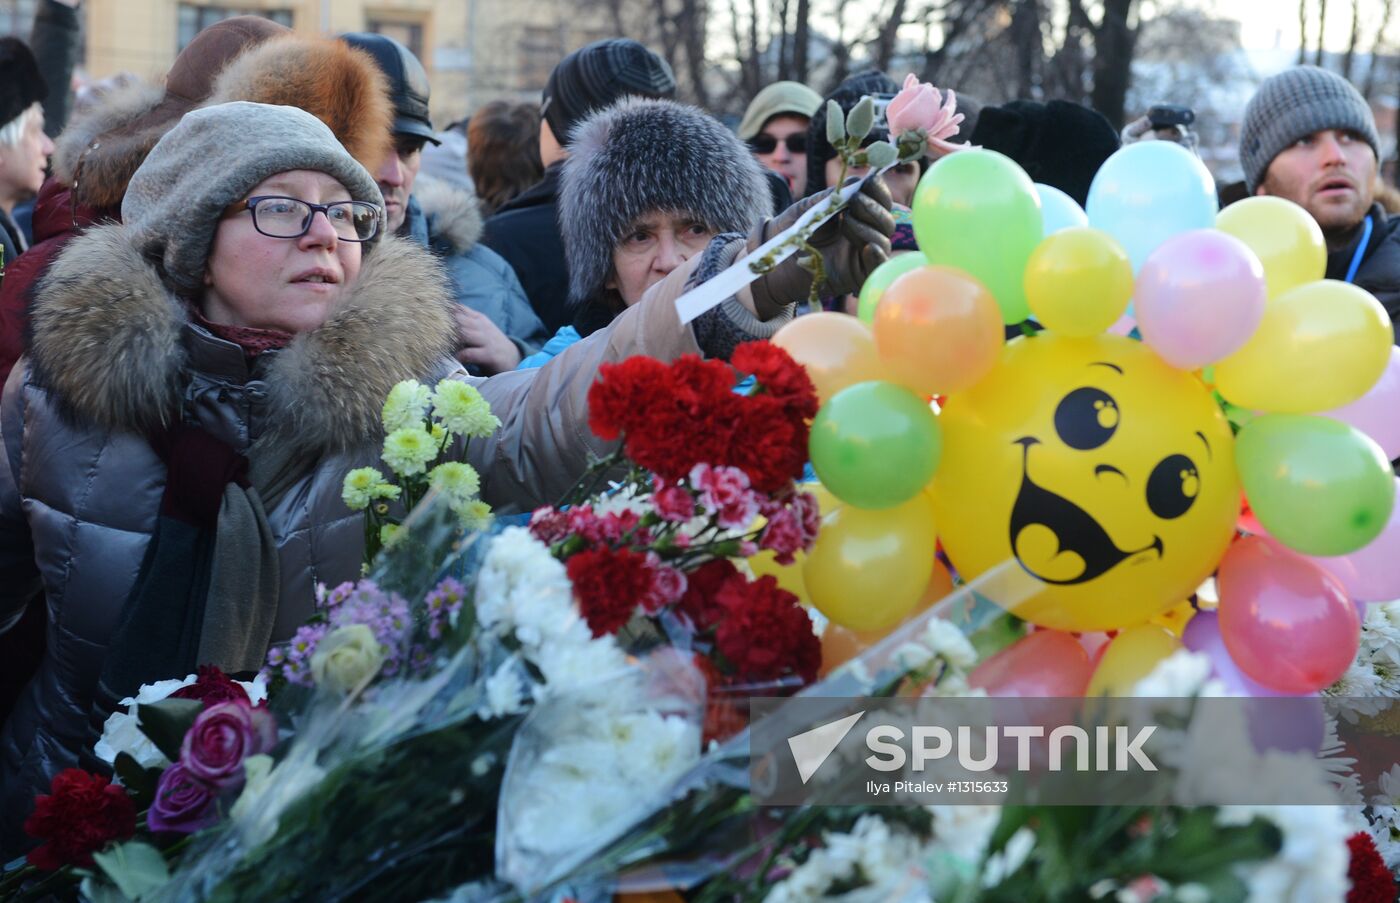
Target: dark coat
1379,273
526,233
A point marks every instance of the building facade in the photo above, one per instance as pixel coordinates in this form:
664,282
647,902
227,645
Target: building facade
475,51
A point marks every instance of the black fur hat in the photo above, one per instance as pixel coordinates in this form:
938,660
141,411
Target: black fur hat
1059,143
20,82
641,155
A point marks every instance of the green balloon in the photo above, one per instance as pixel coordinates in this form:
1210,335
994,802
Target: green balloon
1319,486
882,278
978,211
875,444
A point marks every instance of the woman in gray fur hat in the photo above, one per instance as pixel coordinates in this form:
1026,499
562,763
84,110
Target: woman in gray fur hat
203,375
650,184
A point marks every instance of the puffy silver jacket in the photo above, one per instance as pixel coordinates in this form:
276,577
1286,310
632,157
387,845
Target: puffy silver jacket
113,353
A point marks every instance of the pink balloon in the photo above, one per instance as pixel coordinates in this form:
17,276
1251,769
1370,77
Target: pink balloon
1371,574
1199,297
1377,413
1287,623
1047,663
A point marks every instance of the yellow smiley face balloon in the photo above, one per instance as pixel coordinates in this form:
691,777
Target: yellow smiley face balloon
1106,473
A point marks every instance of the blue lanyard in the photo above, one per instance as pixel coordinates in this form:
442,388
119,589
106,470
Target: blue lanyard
1360,250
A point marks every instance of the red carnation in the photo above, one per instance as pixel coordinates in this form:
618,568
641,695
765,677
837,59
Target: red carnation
767,444
778,376
623,388
609,585
764,633
82,814
1371,881
700,601
213,686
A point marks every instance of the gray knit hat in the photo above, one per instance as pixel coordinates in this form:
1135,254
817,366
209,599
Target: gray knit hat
212,159
1293,104
641,155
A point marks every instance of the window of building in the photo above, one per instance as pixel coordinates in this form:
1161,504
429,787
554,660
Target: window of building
541,49
409,34
194,19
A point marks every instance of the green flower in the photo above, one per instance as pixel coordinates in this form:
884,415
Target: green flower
408,450
458,482
365,484
407,405
462,410
387,534
475,515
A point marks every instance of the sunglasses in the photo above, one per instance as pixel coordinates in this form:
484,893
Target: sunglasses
765,143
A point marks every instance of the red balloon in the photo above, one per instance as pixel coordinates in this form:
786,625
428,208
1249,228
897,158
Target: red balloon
1286,622
1048,663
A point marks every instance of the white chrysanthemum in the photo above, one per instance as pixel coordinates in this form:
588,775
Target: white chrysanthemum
1002,865
505,691
945,640
408,450
873,853
462,410
1311,867
458,482
475,515
407,405
1181,675
965,830
365,484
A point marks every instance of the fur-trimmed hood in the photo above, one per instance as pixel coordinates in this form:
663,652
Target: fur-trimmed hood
102,147
108,342
454,215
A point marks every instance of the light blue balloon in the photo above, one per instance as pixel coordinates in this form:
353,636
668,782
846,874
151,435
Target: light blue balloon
1059,210
1147,192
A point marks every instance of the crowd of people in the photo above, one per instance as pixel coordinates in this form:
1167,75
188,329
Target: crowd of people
226,270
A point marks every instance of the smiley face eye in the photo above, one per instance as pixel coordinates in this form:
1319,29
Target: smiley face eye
1086,418
1172,486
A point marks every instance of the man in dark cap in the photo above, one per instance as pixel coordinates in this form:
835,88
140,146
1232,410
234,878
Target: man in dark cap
24,148
497,326
526,231
1060,144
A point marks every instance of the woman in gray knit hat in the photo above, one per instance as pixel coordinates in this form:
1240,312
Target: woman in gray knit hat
202,377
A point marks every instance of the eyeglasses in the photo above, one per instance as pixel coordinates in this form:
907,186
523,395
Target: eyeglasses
282,217
764,143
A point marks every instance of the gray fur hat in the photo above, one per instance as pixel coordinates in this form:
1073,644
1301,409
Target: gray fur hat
1293,104
641,155
212,159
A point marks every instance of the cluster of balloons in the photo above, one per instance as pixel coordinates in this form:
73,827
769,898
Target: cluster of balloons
1103,465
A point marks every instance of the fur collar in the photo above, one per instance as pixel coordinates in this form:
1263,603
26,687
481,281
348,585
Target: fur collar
107,340
107,168
454,215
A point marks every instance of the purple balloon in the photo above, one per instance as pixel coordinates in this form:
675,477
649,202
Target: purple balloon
1377,413
1301,730
1199,297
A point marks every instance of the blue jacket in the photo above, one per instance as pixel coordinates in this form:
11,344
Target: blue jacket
446,220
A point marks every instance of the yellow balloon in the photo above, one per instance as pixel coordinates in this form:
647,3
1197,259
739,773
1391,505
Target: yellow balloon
1107,474
837,350
1319,346
1129,658
1176,618
1079,281
869,568
1286,238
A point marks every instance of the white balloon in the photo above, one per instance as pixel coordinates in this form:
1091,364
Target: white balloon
1059,210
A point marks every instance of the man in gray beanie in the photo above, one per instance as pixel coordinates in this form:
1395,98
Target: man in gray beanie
1309,137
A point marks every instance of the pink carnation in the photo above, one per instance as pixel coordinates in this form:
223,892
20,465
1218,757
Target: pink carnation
673,503
782,534
919,105
725,493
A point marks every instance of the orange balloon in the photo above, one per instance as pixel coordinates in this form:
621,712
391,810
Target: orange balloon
837,350
938,330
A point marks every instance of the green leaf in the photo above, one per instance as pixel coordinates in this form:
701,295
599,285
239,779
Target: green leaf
135,868
881,154
165,723
835,123
95,891
139,782
861,118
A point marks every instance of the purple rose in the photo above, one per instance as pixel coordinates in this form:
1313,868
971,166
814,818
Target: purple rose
222,737
184,804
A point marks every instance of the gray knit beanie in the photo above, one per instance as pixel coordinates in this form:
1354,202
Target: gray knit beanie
641,155
1293,104
212,159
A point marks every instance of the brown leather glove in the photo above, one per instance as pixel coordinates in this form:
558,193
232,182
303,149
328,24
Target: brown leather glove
852,244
